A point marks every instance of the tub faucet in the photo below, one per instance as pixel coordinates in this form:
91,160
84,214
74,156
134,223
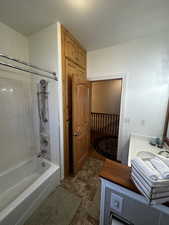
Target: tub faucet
42,153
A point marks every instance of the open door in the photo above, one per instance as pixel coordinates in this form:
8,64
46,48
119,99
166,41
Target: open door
80,120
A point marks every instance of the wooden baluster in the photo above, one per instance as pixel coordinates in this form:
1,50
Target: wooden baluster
108,124
94,128
118,120
100,123
92,125
104,124
111,128
114,127
115,120
96,125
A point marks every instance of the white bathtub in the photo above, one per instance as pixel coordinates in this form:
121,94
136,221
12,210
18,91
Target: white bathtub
24,187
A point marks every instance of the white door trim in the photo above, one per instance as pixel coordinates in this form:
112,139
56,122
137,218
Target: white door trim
124,78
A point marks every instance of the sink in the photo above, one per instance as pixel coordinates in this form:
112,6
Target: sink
145,155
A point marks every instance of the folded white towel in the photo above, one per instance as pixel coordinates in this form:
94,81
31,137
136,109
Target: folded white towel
153,192
149,164
165,160
160,183
162,168
151,201
140,164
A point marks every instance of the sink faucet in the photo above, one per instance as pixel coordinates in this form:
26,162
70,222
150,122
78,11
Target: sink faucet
164,151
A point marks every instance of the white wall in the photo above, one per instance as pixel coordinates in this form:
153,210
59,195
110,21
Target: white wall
106,96
43,52
145,62
13,43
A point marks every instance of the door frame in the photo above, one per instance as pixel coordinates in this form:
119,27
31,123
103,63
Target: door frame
124,78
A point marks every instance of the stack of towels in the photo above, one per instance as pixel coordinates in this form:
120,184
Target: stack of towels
151,177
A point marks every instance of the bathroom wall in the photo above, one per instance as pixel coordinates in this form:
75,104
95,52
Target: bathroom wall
13,43
15,97
145,63
43,52
106,96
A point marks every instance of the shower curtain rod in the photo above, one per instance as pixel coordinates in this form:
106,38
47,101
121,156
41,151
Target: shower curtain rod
27,64
25,70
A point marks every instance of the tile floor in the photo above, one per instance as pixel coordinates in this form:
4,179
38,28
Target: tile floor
86,185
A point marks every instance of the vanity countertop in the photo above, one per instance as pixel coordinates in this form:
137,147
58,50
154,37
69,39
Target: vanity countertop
118,173
140,143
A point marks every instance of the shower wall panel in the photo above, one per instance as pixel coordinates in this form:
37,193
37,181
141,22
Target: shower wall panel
18,133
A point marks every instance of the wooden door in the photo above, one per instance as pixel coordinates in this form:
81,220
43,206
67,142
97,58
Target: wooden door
80,120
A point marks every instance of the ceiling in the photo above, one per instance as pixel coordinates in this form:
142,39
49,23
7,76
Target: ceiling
96,23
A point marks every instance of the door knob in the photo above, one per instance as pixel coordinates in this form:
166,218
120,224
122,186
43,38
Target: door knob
76,134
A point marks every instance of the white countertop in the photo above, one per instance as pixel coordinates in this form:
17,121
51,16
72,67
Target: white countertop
140,143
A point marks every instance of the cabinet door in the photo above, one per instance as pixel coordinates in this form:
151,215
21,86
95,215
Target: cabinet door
82,57
81,72
70,48
74,52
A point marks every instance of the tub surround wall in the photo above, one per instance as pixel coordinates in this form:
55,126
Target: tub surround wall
145,62
17,134
39,49
15,45
43,53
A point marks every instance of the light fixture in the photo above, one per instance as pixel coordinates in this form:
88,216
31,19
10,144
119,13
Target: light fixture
80,4
3,89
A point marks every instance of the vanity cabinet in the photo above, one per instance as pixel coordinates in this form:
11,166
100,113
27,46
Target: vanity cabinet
164,218
120,199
